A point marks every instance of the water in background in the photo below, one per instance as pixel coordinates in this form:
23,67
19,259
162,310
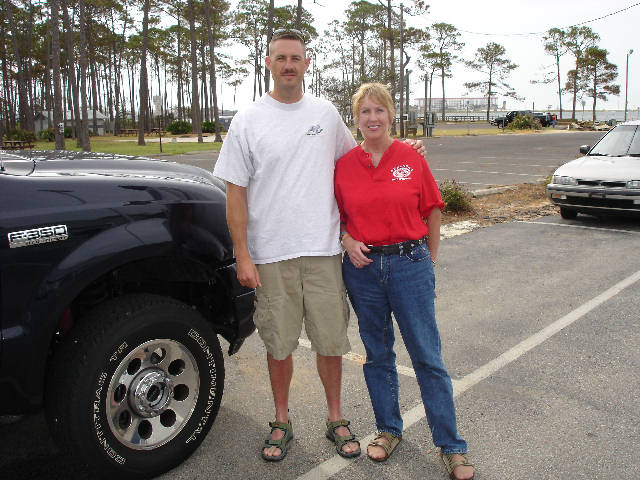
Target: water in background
601,115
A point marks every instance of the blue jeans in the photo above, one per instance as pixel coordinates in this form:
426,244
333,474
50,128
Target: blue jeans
405,285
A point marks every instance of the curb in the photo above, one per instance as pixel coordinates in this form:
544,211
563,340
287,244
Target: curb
491,191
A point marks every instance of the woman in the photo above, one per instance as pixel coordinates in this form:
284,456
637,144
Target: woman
384,192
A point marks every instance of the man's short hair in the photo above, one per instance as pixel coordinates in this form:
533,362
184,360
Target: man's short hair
379,93
288,34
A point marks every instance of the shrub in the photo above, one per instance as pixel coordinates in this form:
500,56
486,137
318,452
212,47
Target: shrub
456,198
210,127
68,132
526,122
178,127
20,134
48,135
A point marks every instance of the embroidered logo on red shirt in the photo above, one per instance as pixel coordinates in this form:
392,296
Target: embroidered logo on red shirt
401,172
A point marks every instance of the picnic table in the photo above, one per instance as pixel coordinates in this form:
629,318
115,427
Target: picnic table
158,131
16,144
128,131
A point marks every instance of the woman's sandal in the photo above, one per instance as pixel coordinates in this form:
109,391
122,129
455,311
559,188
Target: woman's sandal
281,443
342,441
389,445
450,465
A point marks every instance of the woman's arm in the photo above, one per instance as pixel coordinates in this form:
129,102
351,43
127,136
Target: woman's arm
433,222
355,249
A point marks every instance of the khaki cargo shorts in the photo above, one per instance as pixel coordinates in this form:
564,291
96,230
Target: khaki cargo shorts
304,287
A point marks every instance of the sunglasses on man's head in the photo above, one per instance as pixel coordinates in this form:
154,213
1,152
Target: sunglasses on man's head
287,32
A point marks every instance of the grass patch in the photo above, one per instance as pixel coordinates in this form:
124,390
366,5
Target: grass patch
121,146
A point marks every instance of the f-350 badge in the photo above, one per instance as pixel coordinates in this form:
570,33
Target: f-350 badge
36,236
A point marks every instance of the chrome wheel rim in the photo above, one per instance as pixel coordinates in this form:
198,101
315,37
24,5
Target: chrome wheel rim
152,394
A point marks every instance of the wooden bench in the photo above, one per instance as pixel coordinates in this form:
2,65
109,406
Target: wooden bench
413,130
17,144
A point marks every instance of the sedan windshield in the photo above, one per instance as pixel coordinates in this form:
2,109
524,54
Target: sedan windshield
622,140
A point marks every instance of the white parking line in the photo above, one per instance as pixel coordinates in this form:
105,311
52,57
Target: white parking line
336,463
487,172
585,227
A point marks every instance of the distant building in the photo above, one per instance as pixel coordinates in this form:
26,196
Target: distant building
458,104
42,120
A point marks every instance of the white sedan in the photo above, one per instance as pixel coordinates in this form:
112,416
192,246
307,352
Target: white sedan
605,180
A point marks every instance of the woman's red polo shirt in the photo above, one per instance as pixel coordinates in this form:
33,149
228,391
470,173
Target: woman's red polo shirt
385,204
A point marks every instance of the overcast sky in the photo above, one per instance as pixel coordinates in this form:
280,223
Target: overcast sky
518,25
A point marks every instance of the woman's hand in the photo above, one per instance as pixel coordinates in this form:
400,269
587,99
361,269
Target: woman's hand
356,251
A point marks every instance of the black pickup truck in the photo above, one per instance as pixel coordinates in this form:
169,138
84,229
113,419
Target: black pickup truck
116,277
545,119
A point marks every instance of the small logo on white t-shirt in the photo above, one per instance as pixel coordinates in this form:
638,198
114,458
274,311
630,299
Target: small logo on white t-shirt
401,172
314,130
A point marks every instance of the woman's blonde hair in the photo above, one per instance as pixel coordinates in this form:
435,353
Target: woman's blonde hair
379,93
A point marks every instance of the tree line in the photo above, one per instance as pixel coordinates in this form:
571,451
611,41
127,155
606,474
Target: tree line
69,59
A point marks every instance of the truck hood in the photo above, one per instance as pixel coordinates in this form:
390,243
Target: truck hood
95,164
121,166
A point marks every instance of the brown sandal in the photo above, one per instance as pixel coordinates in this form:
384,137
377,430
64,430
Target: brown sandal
450,465
389,445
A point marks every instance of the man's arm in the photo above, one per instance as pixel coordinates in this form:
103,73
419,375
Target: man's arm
237,218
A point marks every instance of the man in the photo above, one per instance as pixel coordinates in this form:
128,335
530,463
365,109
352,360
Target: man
278,160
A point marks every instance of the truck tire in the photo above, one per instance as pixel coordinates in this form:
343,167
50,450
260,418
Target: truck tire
568,214
135,387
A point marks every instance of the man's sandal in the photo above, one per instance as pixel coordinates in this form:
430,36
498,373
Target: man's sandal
281,443
389,445
450,465
341,441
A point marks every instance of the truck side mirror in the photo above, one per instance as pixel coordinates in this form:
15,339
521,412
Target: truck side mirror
584,149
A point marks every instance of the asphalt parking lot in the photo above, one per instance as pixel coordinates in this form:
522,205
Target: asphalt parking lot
541,335
479,161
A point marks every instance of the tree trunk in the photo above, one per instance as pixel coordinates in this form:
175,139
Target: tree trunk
94,91
392,62
179,73
267,73
205,90
212,67
57,91
401,62
559,86
47,94
298,15
575,92
71,67
595,93
28,77
5,113
144,92
84,130
23,100
195,101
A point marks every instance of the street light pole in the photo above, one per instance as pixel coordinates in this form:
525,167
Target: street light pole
626,85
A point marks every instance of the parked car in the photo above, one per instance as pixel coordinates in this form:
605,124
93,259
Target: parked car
605,180
116,277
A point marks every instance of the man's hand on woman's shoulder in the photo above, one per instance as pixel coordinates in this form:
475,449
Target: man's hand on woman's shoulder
417,145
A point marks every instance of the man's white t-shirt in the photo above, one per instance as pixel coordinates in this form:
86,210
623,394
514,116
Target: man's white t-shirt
285,154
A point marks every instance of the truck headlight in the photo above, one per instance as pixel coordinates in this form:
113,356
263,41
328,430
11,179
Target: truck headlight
633,184
562,180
